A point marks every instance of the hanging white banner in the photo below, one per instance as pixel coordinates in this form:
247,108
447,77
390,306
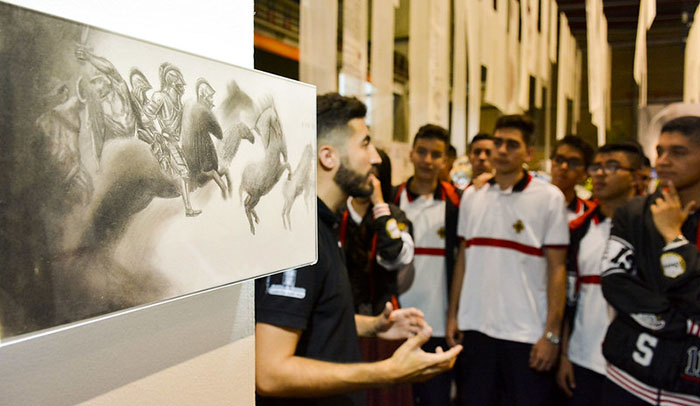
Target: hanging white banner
428,63
647,13
318,43
382,71
354,66
458,128
691,74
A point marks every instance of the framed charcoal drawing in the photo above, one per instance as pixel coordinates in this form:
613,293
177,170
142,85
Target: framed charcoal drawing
133,173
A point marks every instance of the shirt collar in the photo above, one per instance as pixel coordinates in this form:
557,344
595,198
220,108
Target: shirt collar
437,194
575,204
518,187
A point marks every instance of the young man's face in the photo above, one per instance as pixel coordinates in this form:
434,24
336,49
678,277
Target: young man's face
612,175
568,167
480,157
428,157
510,151
356,161
678,160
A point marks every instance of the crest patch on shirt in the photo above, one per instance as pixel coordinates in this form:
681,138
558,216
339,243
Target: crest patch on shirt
648,320
393,229
672,264
288,286
441,232
518,226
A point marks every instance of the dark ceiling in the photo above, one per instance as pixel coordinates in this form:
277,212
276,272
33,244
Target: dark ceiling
671,25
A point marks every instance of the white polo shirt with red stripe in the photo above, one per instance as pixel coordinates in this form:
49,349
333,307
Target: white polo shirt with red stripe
592,315
428,292
504,293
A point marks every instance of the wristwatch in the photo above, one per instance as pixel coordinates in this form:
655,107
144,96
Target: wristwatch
552,338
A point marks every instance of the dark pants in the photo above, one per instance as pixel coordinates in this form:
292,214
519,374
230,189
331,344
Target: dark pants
588,391
435,391
376,349
613,395
498,373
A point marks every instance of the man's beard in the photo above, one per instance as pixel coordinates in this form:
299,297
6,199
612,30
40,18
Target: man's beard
353,183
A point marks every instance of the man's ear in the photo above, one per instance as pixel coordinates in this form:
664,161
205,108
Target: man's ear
328,157
530,154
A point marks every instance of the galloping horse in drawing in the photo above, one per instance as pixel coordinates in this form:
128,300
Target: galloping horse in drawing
260,177
300,182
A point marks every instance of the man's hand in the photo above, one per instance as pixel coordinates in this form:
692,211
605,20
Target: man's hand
668,214
376,197
543,355
410,363
482,179
565,376
452,334
399,324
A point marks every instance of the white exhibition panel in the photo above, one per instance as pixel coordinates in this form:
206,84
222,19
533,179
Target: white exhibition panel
200,345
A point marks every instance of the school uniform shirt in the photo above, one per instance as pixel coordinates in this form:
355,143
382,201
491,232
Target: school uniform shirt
504,293
429,290
591,316
576,208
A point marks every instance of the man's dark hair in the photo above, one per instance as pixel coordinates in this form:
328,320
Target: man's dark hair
519,122
479,137
629,148
576,142
451,151
432,132
333,112
686,125
646,163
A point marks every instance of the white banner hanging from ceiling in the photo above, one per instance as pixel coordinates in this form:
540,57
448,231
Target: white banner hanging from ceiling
354,68
428,63
691,75
318,36
458,126
647,13
382,71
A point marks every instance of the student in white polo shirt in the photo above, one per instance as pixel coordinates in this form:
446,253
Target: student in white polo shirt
570,158
432,206
508,291
581,370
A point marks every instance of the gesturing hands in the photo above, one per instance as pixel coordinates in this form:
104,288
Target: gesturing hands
410,363
401,323
668,213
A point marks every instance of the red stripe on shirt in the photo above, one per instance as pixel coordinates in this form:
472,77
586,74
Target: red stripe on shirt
429,251
590,279
495,242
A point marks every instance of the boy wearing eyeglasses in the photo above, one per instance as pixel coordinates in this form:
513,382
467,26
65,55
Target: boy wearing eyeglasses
651,277
581,370
570,158
508,292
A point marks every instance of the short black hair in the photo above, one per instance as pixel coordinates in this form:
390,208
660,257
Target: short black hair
432,132
646,163
451,151
333,112
519,122
479,137
630,148
576,142
689,126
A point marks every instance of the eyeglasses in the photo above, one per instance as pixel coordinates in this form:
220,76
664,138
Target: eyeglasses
571,163
609,168
511,145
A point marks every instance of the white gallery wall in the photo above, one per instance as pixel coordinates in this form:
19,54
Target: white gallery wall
195,350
